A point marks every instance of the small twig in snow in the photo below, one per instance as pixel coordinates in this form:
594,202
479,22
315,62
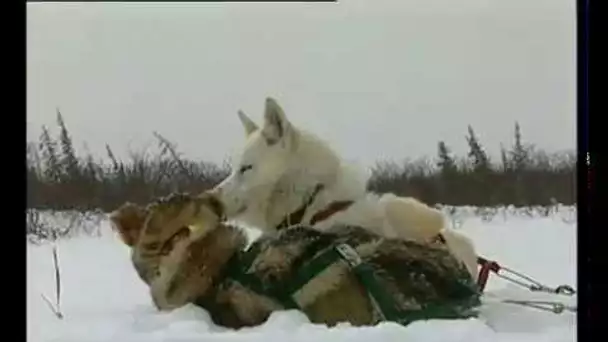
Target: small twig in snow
56,309
51,306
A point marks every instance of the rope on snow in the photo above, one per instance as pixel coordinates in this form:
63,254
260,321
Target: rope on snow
488,266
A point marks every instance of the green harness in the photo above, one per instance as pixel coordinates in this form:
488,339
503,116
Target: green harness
381,299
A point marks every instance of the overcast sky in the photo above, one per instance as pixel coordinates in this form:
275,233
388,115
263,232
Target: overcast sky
378,79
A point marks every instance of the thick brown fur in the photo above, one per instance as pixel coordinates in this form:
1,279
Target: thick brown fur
201,249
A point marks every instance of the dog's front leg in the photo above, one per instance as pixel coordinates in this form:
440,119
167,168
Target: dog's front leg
172,288
188,272
182,275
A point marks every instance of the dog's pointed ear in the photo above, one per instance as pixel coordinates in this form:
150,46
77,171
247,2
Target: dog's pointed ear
276,125
248,124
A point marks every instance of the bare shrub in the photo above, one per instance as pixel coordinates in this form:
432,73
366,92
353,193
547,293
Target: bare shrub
48,226
58,179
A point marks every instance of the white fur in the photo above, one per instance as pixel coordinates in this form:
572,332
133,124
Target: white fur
279,167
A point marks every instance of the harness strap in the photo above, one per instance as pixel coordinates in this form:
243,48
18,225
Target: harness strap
384,304
284,291
382,301
331,209
235,270
296,216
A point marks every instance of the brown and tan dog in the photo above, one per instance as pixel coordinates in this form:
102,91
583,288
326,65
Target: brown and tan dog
183,251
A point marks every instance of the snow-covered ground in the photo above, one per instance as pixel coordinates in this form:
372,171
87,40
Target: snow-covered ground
103,300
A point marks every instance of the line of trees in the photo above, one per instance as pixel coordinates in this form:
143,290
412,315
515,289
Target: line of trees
59,178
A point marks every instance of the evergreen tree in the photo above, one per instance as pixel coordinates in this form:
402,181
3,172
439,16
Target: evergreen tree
445,163
519,154
477,155
117,167
504,158
448,172
479,190
69,161
519,161
50,160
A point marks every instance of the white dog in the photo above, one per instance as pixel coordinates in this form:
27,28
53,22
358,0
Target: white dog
286,176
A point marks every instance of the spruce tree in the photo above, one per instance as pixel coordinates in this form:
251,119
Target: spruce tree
69,162
445,163
477,155
50,160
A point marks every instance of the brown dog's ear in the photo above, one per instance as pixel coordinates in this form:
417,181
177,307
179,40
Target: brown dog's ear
128,221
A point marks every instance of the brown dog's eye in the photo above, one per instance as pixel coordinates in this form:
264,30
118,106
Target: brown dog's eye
167,247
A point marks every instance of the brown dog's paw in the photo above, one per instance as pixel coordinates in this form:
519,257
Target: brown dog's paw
128,221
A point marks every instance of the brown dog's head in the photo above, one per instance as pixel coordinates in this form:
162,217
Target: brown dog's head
130,218
128,221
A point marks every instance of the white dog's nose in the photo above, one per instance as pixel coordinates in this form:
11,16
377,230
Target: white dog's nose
217,190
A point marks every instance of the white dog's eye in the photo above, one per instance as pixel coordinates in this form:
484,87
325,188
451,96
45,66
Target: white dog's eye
245,168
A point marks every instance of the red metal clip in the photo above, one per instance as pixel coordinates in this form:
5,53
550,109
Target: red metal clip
484,272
